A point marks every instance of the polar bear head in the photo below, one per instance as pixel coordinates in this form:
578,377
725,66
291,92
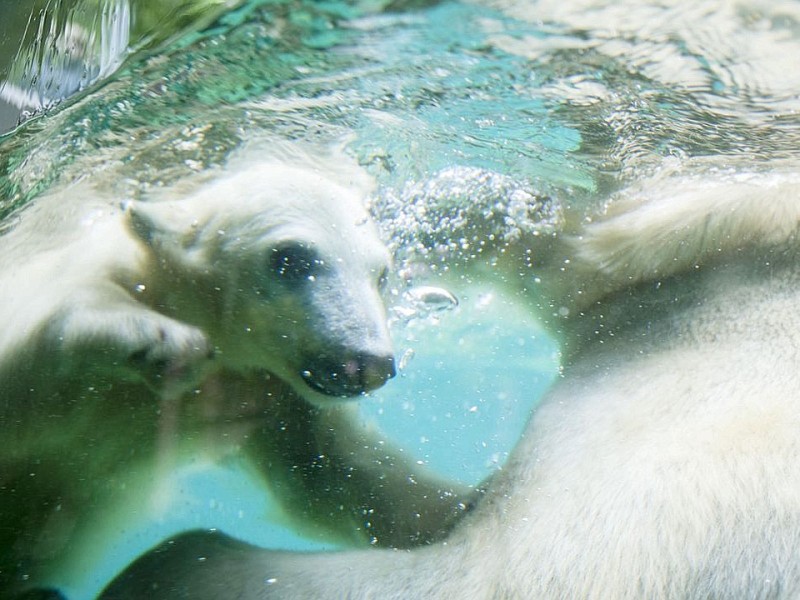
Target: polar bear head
283,268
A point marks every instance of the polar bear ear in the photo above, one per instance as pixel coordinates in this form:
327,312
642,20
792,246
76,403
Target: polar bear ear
157,221
168,227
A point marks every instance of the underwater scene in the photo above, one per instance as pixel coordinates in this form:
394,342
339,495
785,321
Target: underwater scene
476,136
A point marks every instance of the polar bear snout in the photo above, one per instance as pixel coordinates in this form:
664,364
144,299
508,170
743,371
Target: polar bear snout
349,376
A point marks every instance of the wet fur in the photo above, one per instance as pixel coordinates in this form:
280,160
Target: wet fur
143,336
662,464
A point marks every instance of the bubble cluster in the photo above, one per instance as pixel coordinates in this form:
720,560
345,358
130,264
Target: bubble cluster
462,213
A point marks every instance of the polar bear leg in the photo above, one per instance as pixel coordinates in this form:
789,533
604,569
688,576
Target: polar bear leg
190,566
342,477
106,331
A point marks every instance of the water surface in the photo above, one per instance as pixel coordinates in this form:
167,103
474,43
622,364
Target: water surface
481,122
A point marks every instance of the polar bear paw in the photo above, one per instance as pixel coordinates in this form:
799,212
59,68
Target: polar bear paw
168,354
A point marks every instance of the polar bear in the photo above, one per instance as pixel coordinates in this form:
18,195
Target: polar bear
232,314
662,464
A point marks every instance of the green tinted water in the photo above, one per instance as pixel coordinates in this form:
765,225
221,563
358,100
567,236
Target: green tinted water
407,83
465,106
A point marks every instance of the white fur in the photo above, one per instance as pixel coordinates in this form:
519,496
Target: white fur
662,464
142,336
674,223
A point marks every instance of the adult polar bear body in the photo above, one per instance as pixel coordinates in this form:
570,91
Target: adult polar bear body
663,464
227,316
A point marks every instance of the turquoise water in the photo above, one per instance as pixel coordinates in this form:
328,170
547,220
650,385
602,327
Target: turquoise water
480,122
409,82
468,381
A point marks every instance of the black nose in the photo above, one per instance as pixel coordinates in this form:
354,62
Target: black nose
351,376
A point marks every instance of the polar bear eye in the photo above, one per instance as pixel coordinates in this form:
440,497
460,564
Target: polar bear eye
295,262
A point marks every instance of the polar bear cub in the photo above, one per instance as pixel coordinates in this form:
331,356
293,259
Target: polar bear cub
228,315
271,266
663,464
